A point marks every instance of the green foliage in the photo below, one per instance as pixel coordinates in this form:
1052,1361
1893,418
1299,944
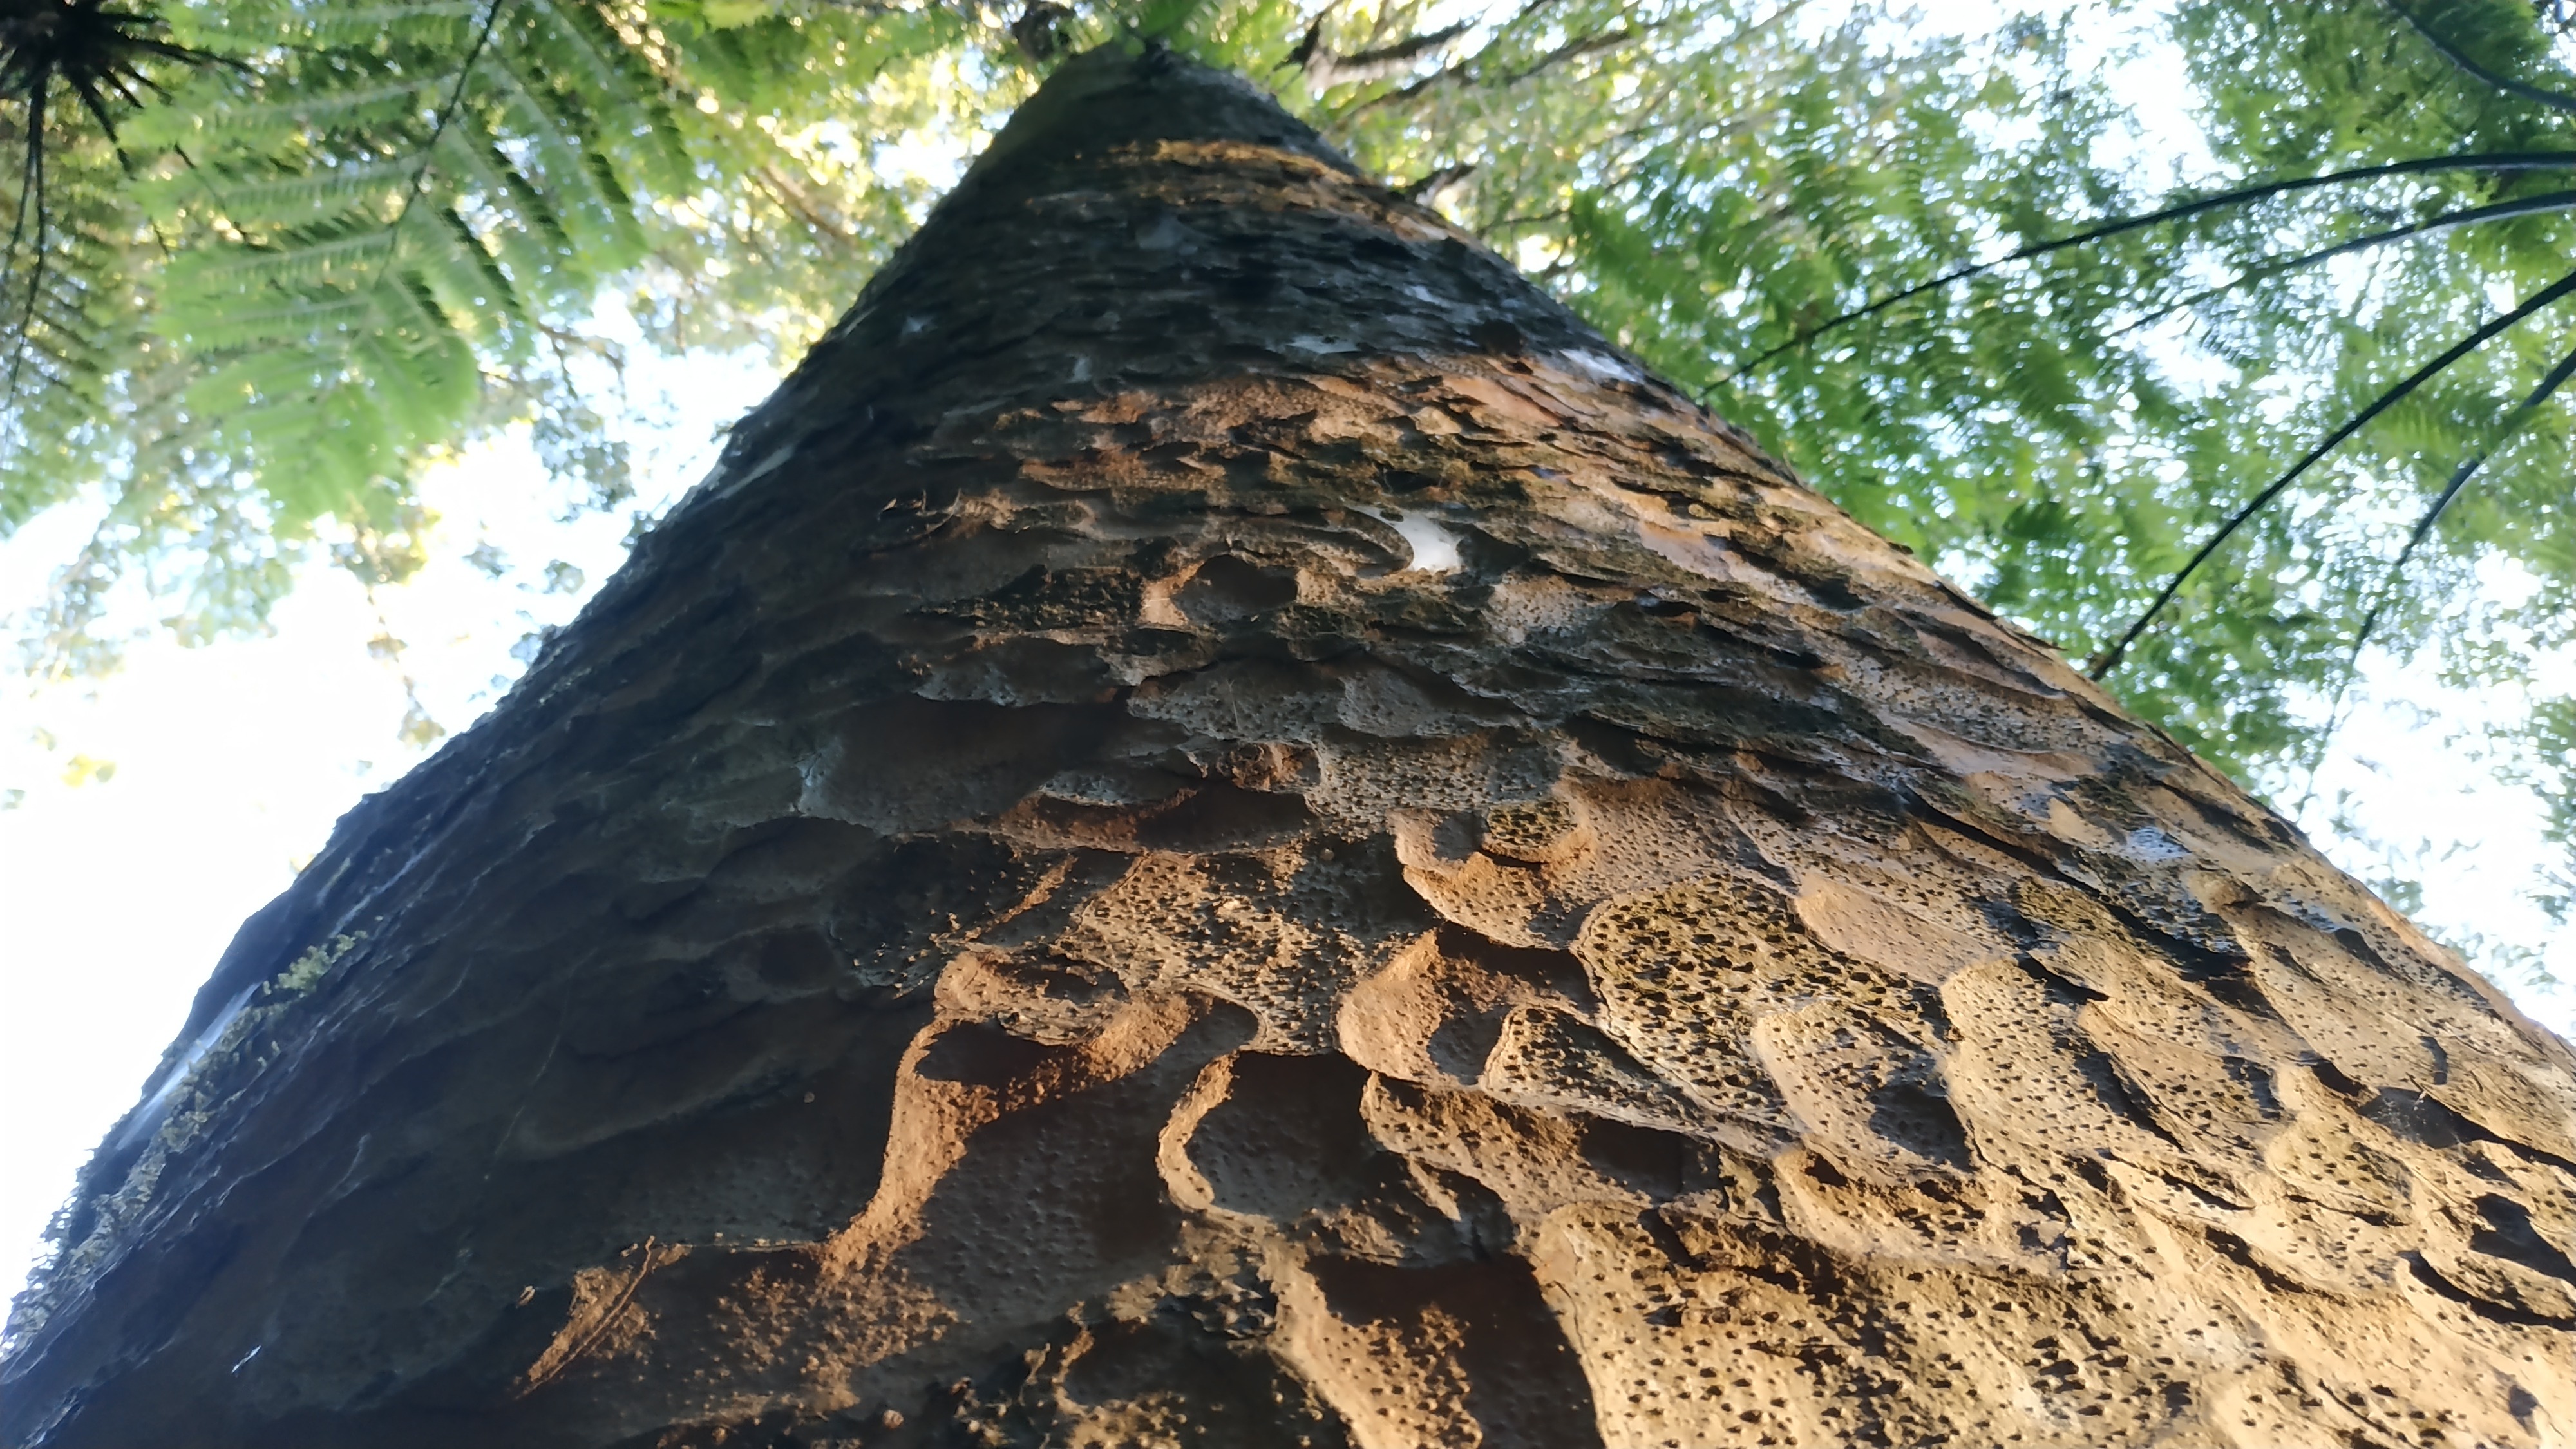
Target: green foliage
377,232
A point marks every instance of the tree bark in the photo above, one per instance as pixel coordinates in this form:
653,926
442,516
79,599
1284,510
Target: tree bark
1224,827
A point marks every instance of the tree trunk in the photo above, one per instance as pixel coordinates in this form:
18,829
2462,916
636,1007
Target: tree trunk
1223,827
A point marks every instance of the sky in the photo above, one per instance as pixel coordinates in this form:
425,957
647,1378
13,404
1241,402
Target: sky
230,763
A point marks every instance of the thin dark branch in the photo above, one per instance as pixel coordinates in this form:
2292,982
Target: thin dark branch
1424,191
2387,591
26,184
2554,100
1466,72
97,104
437,132
1324,69
2470,216
794,198
31,196
2496,161
2512,424
1525,218
1570,50
2109,659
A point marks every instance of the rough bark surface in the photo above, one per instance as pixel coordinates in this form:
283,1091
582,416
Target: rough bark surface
1224,828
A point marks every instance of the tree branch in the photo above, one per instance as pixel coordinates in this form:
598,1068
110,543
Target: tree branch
2109,659
2499,211
1427,190
2554,100
1325,70
2493,161
794,198
2387,592
1465,73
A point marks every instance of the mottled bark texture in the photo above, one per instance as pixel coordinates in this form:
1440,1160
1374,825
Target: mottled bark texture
1223,828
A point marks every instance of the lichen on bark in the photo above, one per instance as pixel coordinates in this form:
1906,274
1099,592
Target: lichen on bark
1222,826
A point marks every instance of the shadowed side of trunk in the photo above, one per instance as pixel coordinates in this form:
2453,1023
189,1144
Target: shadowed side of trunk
1223,827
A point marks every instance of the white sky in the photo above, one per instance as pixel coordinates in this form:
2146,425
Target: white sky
232,762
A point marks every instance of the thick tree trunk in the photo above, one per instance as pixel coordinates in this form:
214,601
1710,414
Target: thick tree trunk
1224,828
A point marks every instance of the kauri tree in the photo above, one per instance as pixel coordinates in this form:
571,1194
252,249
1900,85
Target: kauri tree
1224,826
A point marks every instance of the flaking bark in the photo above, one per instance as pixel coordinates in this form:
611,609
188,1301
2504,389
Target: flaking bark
1223,827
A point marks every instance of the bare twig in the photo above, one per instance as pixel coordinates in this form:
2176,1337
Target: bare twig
2493,161
2468,216
2109,659
2460,60
1466,72
1427,190
1325,70
2387,591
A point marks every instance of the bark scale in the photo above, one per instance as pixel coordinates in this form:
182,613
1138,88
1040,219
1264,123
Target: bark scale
1224,827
